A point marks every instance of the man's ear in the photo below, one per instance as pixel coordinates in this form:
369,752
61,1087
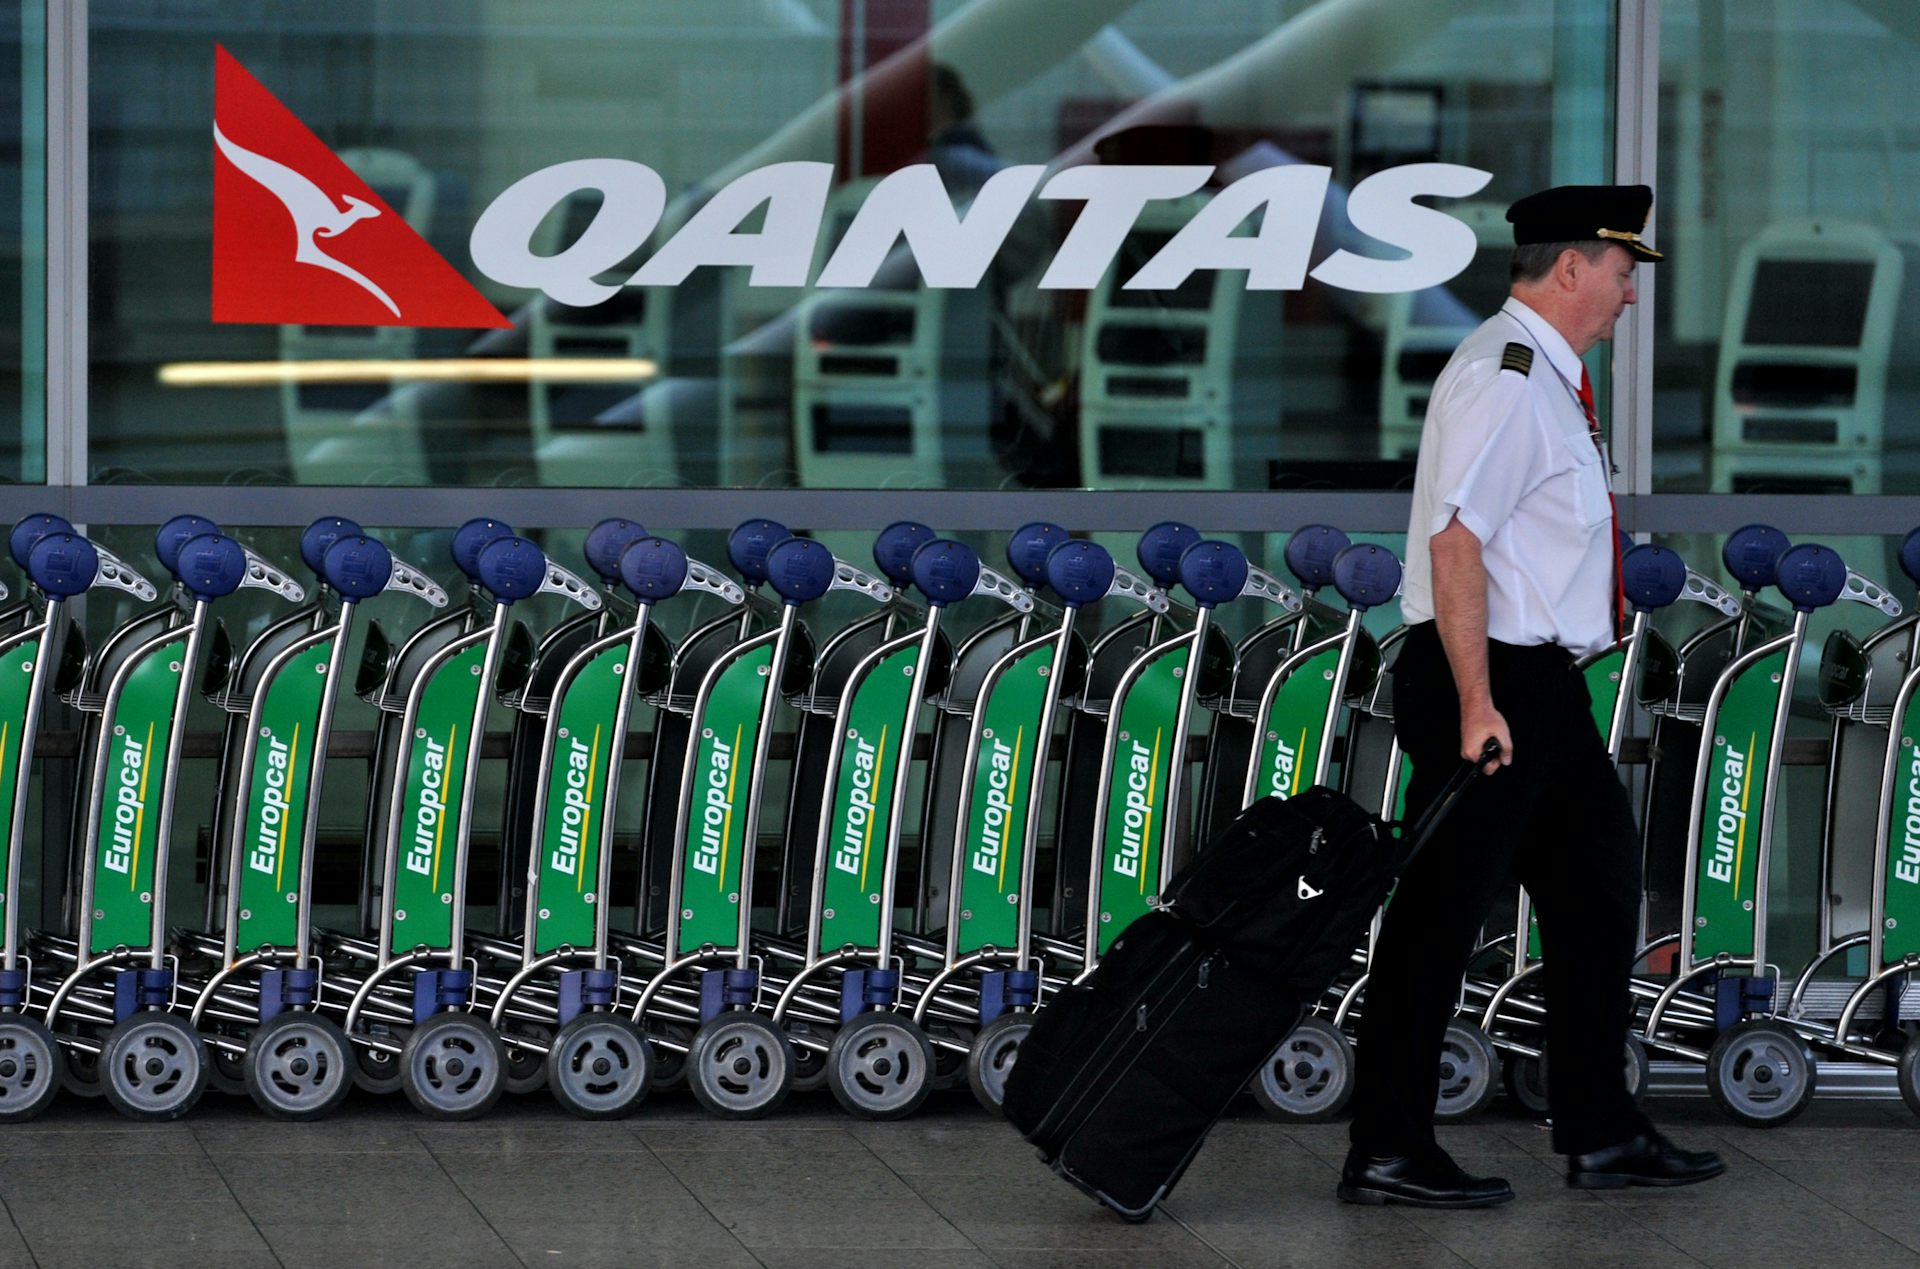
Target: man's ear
1566,269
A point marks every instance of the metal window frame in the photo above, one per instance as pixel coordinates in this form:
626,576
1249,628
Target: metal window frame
67,491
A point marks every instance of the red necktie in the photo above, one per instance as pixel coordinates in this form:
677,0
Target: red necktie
1593,429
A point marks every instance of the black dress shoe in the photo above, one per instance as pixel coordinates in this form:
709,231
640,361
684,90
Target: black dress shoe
1377,1179
1648,1159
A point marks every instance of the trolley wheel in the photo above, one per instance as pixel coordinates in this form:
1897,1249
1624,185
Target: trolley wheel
153,1067
80,1073
376,1071
880,1066
1526,1081
809,1065
600,1066
991,1058
1909,1075
1526,1077
670,1065
1469,1072
29,1069
454,1067
226,1072
299,1066
739,1066
526,1069
1639,1069
949,1065
1309,1078
1761,1073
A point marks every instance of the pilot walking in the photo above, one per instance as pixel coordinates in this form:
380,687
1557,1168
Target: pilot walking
1512,573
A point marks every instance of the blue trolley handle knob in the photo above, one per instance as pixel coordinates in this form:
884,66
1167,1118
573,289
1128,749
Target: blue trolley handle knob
1367,575
749,545
116,573
607,542
1082,573
30,529
1216,572
319,538
946,572
474,537
1811,576
513,569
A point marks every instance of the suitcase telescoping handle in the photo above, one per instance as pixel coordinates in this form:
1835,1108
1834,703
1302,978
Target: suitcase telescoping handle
1421,831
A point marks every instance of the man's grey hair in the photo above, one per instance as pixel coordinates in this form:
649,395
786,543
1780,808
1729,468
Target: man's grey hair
1535,260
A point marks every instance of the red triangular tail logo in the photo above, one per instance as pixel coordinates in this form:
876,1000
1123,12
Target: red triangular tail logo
298,238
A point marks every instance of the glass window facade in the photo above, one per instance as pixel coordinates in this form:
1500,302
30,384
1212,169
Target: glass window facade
1104,245
23,240
1787,359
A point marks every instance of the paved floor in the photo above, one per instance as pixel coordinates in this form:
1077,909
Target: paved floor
950,1188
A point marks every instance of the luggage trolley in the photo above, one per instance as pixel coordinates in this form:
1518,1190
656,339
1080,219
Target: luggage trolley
452,1065
259,1003
59,565
1110,659
230,683
1310,1076
989,978
1676,697
599,1064
1138,825
1872,1022
1231,739
385,677
880,1061
1759,1070
604,544
739,1064
977,672
1652,578
152,1064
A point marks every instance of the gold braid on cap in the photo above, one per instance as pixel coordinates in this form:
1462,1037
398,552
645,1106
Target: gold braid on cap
1620,234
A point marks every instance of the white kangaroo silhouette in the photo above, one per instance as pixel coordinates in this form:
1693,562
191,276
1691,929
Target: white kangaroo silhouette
314,214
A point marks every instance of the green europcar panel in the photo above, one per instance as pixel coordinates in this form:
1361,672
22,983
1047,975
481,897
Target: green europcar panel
430,805
1900,928
580,771
16,676
1603,685
1296,727
1139,780
1730,819
140,729
273,830
994,850
878,732
716,819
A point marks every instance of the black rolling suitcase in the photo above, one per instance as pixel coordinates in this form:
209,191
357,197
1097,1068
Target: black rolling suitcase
1123,1075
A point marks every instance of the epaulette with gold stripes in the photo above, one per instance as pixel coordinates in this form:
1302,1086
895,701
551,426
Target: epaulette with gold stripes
1517,357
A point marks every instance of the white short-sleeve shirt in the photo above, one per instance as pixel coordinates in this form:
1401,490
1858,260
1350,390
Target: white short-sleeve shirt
1511,454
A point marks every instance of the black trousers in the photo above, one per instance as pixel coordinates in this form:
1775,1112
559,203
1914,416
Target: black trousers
1559,822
